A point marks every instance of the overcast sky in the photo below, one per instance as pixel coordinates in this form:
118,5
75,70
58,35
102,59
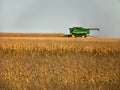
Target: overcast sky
57,16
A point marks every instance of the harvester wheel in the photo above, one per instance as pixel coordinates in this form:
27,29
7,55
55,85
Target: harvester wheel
83,36
73,36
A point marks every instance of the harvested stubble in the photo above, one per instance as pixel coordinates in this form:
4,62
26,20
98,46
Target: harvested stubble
59,63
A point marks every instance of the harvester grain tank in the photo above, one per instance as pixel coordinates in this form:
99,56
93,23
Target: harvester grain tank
80,31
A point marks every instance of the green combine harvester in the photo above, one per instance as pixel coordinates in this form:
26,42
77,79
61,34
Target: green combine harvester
80,32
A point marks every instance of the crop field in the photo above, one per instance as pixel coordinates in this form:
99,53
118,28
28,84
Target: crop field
2,34
59,63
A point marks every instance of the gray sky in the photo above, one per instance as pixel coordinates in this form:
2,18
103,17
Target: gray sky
56,16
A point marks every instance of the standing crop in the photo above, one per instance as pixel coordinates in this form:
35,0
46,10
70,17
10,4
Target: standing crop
57,63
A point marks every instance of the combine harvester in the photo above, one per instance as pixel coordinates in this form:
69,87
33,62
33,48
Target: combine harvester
80,32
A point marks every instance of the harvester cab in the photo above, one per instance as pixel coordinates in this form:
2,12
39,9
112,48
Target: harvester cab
80,31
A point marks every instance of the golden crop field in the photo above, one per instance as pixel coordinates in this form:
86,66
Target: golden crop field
59,63
2,34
